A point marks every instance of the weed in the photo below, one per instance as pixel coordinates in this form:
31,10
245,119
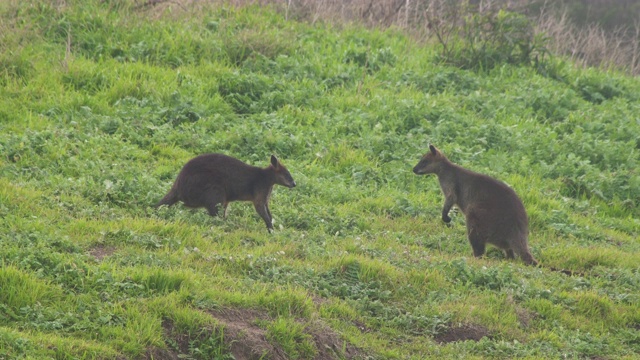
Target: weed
488,39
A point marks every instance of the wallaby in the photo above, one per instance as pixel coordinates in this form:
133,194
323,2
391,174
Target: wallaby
494,213
211,180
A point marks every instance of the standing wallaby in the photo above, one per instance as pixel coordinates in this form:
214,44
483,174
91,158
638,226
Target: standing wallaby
494,213
211,180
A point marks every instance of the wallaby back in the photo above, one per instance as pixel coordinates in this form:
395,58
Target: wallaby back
494,213
214,180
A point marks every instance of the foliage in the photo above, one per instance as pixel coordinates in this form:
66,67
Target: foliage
484,40
102,102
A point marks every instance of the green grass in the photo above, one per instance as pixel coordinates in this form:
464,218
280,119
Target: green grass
90,139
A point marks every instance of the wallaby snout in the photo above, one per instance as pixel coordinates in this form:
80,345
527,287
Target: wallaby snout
418,170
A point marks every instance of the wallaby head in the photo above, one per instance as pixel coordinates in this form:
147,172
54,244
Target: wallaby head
282,175
430,162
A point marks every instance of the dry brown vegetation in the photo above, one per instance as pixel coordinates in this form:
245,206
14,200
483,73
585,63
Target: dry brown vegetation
592,45
443,21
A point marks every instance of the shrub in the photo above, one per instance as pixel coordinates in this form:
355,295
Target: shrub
486,40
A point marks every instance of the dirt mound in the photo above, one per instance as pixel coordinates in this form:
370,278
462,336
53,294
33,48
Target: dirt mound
330,345
248,341
462,333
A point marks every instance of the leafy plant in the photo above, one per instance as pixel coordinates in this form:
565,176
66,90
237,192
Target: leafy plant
492,39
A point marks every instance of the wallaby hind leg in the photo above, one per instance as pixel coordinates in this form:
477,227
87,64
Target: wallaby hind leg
477,241
213,202
213,209
477,236
509,253
478,247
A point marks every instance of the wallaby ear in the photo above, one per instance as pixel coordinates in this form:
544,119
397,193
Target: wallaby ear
274,161
433,149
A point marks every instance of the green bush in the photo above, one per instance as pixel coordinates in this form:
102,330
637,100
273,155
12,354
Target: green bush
487,40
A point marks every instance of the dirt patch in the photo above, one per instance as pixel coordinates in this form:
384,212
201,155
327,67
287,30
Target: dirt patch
161,354
462,333
100,251
330,345
179,341
247,340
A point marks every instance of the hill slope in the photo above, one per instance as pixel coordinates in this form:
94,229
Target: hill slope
101,105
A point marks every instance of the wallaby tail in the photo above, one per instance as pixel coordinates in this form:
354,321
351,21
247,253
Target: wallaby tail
169,199
528,258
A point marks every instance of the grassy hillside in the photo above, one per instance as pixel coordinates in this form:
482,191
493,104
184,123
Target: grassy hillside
102,103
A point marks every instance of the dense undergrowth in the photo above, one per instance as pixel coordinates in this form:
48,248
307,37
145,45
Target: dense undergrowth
102,103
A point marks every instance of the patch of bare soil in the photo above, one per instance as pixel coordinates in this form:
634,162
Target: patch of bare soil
161,354
244,337
248,341
462,333
180,340
99,251
330,345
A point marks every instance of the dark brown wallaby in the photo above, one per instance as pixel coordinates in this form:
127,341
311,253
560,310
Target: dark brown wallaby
212,180
494,213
